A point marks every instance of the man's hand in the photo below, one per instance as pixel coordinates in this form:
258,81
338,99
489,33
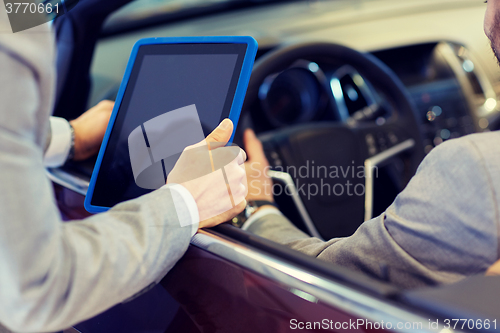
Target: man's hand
210,171
259,183
90,128
495,269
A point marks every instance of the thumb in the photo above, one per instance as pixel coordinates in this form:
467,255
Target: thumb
253,146
221,135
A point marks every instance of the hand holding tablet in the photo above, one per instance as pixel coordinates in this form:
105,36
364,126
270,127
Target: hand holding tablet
175,92
215,176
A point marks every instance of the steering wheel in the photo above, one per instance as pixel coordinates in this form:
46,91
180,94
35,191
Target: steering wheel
347,153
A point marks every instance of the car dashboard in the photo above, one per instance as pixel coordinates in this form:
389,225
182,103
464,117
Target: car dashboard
443,58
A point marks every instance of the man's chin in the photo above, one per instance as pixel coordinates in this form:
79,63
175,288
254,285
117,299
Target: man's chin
494,36
496,52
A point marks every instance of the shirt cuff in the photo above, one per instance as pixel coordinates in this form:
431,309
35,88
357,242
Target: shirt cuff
60,143
260,214
181,196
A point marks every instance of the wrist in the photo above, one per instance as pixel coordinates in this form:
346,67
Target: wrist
253,206
77,151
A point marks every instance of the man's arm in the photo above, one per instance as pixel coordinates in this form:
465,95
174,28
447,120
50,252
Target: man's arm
56,274
441,228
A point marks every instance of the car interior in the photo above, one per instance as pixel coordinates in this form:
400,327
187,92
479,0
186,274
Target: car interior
376,83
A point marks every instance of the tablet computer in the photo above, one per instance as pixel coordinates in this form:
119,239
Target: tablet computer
173,87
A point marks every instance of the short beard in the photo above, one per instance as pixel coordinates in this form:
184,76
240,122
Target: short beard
495,51
494,37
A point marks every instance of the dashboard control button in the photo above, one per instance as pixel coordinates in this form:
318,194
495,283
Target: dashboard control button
431,116
370,142
393,139
437,141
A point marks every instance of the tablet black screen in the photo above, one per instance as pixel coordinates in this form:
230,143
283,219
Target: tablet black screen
163,78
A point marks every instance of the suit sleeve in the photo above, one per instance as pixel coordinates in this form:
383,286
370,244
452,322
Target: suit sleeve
440,229
54,274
